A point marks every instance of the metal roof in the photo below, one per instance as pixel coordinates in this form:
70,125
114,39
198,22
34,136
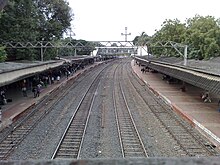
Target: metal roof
11,66
203,74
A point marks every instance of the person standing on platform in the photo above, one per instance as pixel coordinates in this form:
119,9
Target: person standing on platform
67,72
24,88
0,114
58,78
52,79
219,105
34,90
2,96
38,89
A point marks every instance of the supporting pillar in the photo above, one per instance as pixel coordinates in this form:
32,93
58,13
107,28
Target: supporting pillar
41,54
185,55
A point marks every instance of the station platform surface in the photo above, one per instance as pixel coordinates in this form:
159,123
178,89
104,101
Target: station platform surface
19,104
203,116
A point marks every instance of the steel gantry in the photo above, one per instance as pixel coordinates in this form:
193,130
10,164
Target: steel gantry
59,44
71,44
113,46
174,45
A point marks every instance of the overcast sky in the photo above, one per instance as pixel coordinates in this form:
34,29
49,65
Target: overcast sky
105,20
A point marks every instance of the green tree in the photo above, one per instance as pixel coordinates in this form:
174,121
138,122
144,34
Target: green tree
203,35
3,54
18,21
54,18
172,30
83,47
141,40
18,25
33,20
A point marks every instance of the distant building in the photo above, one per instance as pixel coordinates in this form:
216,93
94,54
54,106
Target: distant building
142,51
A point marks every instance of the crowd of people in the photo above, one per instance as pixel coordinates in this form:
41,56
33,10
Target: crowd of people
2,97
37,83
49,78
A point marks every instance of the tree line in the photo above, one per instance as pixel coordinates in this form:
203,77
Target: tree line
201,34
48,20
31,21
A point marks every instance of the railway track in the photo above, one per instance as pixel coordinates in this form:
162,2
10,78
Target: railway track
129,137
71,141
17,132
187,138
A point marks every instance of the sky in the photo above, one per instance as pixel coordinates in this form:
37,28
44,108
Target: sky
105,20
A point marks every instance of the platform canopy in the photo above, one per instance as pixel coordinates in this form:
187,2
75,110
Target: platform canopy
203,74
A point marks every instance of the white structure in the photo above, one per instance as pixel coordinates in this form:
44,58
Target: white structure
94,52
142,51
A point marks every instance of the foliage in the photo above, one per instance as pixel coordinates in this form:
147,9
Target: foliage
172,30
142,40
33,20
3,54
18,21
79,50
54,18
203,35
200,34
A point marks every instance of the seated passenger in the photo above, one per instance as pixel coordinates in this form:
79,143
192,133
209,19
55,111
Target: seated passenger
206,98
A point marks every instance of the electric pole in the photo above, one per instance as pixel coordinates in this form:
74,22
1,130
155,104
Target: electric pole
126,33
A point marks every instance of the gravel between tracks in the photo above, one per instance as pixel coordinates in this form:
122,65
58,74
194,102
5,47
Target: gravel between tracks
101,140
42,141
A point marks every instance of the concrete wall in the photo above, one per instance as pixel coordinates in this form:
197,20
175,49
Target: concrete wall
135,161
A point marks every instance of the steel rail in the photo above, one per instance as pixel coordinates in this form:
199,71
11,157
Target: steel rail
133,122
16,134
172,131
135,147
78,148
117,118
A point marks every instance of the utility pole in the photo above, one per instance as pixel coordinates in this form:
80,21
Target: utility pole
42,50
126,33
71,32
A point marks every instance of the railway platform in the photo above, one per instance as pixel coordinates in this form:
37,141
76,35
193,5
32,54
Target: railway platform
203,116
12,110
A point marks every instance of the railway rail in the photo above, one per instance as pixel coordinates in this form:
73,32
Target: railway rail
129,99
14,135
188,139
71,141
129,137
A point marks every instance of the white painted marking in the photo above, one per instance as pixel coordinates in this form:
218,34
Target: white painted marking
206,131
